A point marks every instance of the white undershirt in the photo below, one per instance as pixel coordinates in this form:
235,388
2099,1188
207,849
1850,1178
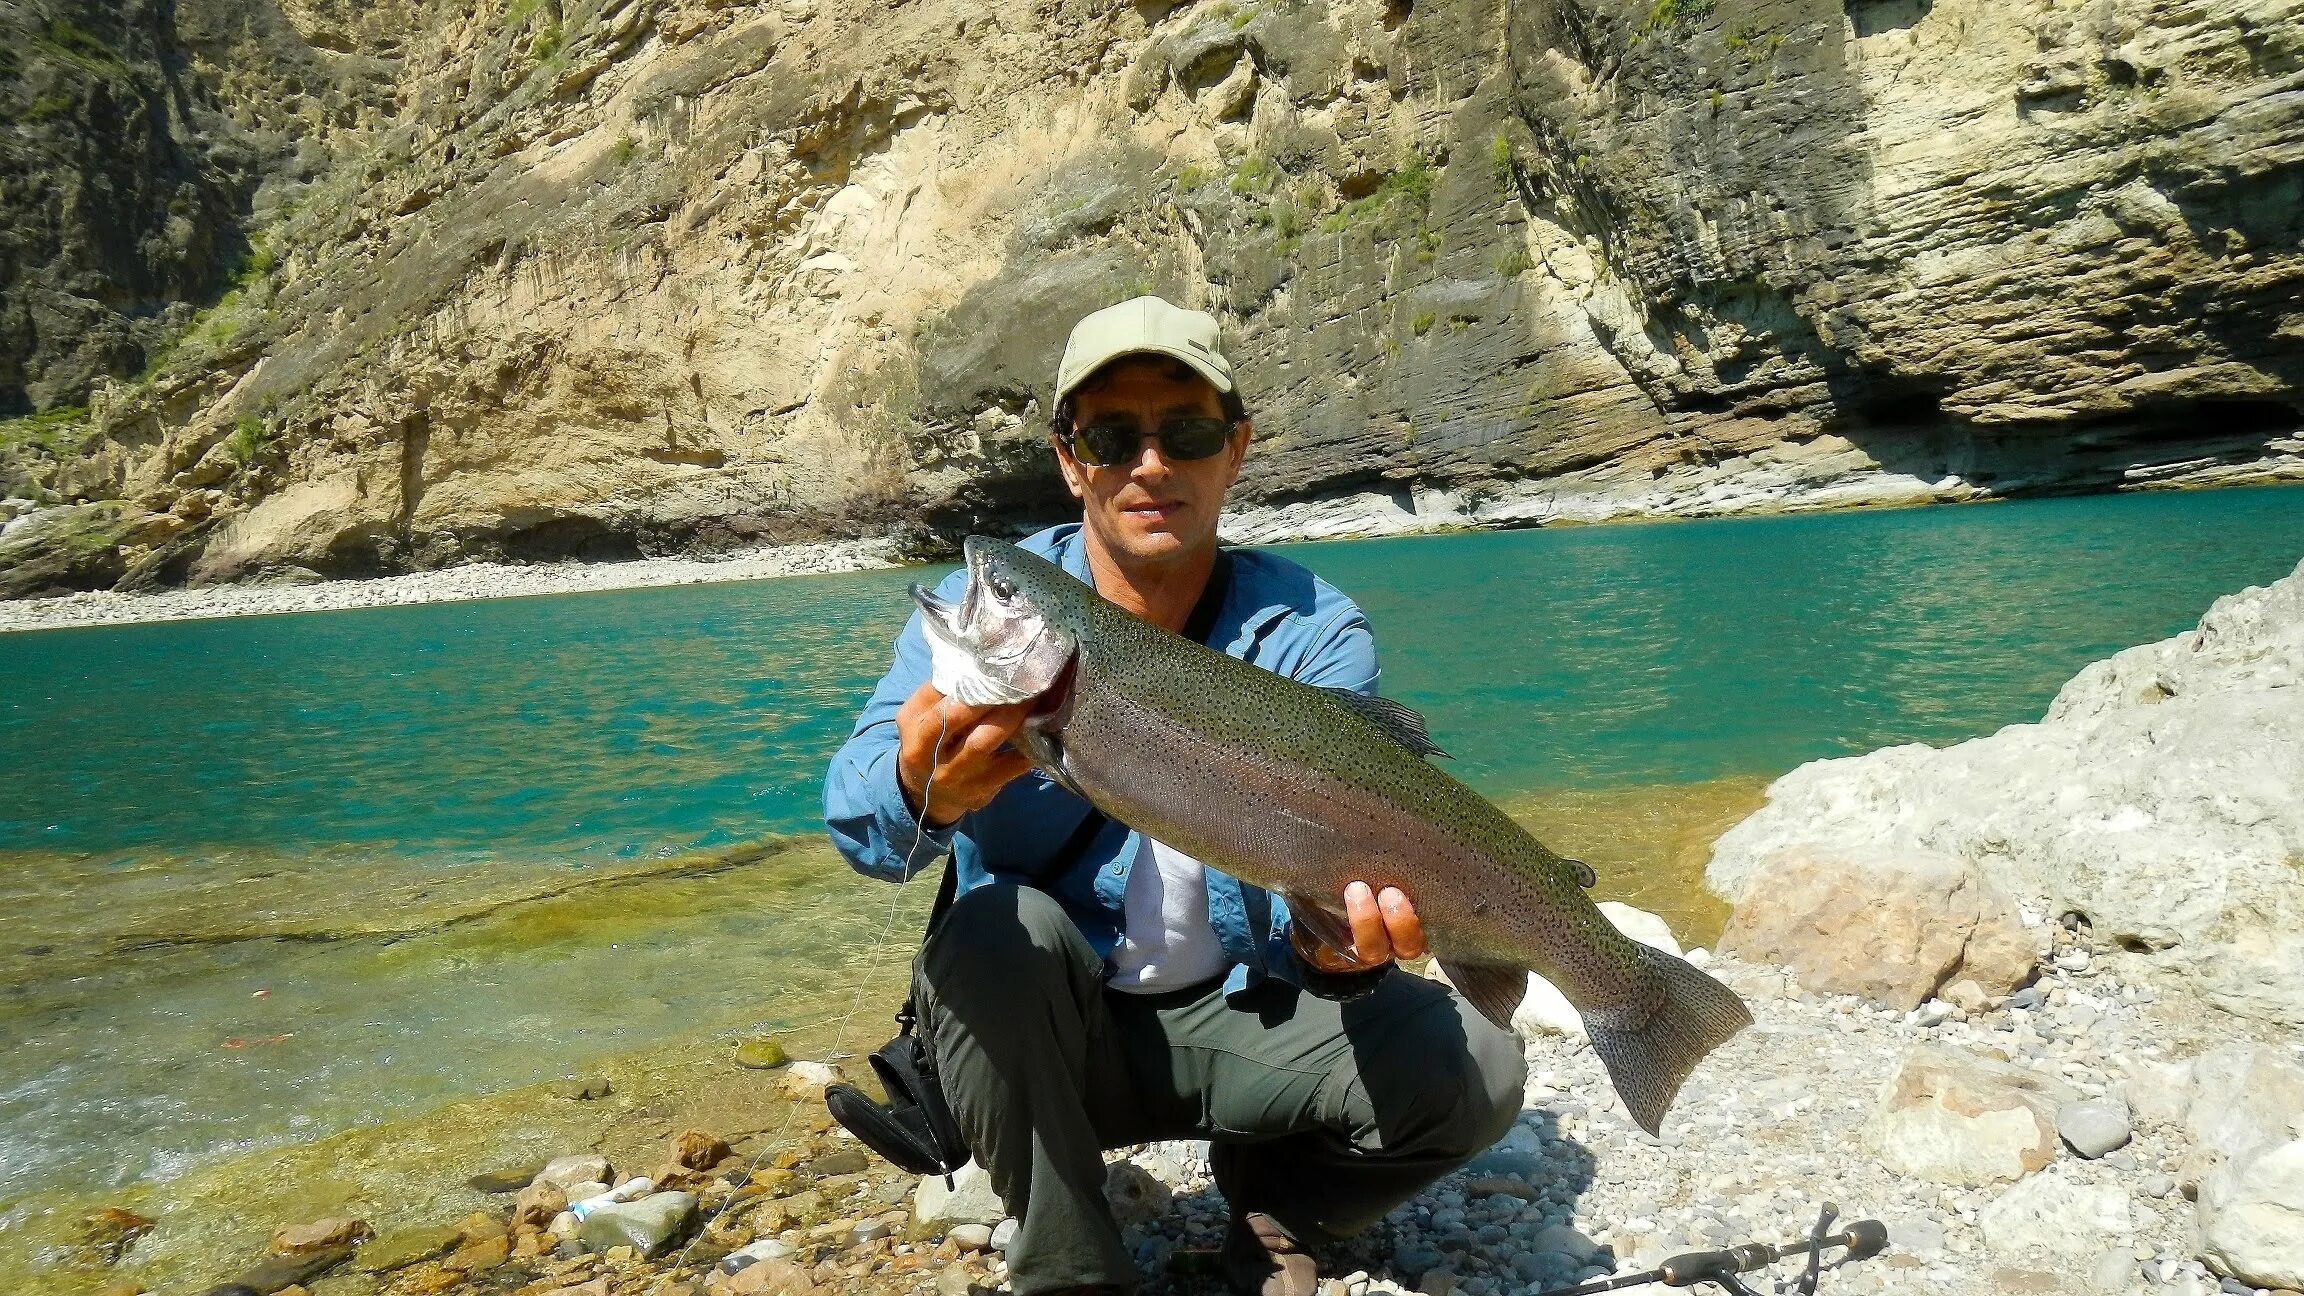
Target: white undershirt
1168,942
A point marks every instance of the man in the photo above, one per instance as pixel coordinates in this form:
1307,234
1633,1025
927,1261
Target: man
1090,988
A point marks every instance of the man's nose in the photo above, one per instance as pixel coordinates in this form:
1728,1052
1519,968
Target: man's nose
1151,460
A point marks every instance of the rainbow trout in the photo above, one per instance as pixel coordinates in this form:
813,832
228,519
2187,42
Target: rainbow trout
1301,790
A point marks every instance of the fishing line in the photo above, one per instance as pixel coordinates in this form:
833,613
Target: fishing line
855,1002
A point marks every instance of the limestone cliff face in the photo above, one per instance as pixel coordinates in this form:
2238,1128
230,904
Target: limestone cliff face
605,277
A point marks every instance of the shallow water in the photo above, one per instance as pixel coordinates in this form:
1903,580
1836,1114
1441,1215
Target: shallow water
468,846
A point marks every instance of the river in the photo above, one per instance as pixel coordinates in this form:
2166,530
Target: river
266,878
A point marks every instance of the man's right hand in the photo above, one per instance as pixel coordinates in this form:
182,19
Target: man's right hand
955,754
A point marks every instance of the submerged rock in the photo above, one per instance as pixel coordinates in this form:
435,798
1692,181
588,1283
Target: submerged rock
761,1054
401,1248
568,1171
107,1234
319,1235
293,1270
504,1181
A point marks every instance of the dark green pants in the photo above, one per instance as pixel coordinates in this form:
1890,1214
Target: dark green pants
1323,1115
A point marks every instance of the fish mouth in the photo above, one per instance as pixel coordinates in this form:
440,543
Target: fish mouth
1054,705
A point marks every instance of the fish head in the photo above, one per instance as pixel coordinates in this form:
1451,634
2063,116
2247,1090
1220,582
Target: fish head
1012,633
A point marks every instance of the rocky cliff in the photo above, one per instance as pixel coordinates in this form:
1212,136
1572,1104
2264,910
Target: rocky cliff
536,278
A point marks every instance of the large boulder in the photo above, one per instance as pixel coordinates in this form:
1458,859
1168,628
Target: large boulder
2243,1106
1894,929
1956,1119
2162,796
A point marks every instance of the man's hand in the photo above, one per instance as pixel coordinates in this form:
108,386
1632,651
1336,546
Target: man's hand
1384,927
964,747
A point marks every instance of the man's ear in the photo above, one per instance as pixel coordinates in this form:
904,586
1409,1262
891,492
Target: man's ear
1238,451
1071,470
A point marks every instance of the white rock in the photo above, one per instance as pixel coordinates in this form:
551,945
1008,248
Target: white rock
2053,1214
1955,1119
2114,1271
1546,1011
807,1079
1135,1195
971,1237
2159,796
569,1171
2093,1126
1002,1234
2251,1215
970,1199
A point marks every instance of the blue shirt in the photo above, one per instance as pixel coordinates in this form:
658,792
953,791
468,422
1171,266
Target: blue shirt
1276,615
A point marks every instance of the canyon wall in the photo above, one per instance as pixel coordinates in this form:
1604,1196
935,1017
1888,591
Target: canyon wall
602,278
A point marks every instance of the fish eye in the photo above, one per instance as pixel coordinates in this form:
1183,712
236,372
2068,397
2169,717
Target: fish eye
1002,587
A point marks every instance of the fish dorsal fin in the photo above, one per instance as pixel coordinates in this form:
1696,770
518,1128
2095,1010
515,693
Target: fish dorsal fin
1396,719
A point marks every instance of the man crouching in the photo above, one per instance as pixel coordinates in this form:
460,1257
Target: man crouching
1091,988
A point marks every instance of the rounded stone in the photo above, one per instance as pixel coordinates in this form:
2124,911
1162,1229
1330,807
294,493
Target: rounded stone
2093,1126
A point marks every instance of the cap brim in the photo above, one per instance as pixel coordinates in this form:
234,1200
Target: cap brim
1217,378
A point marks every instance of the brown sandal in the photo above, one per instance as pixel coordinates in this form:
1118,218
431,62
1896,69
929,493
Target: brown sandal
1260,1259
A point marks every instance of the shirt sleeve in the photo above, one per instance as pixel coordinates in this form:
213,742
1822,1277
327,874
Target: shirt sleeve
1342,654
864,809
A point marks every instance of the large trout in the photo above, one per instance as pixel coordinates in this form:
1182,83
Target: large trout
1301,790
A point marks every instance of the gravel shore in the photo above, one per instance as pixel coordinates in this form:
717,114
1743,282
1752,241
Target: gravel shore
477,581
1774,1124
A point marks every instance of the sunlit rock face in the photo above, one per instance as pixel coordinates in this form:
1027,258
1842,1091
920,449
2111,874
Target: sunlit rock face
601,278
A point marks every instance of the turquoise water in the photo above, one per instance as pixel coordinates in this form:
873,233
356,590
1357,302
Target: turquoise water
394,786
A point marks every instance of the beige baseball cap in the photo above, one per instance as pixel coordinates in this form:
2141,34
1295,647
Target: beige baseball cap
1143,325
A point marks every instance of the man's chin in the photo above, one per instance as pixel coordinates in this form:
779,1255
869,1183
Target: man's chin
1157,539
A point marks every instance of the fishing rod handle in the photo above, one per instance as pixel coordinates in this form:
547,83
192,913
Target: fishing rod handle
1863,1239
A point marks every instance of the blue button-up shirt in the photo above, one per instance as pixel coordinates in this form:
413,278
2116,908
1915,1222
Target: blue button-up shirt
1276,615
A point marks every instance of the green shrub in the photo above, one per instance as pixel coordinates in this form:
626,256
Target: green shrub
624,150
249,440
1423,322
1256,175
1675,13
1191,178
1511,263
1500,158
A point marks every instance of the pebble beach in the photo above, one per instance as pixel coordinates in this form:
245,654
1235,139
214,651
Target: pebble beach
446,585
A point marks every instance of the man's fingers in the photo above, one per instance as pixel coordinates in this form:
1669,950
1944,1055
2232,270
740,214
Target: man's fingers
1369,942
1401,924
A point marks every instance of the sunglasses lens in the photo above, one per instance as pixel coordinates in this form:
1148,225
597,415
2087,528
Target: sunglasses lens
1193,438
1099,444
1102,444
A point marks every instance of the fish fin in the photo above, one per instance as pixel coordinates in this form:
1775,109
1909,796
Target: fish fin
1496,989
1647,1059
1327,928
1398,720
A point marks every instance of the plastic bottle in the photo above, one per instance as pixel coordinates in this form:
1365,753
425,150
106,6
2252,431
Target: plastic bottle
629,1190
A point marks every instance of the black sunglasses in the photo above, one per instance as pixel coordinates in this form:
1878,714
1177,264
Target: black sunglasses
1116,439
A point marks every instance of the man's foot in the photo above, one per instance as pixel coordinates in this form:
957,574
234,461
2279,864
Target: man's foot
1260,1259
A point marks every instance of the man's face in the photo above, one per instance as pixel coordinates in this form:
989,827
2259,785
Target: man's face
1151,509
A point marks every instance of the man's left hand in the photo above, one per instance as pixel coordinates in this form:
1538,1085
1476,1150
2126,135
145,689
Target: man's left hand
1384,927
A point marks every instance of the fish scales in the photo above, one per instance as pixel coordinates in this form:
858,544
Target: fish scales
1294,789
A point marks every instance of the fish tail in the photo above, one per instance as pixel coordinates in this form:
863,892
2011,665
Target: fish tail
1647,1059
